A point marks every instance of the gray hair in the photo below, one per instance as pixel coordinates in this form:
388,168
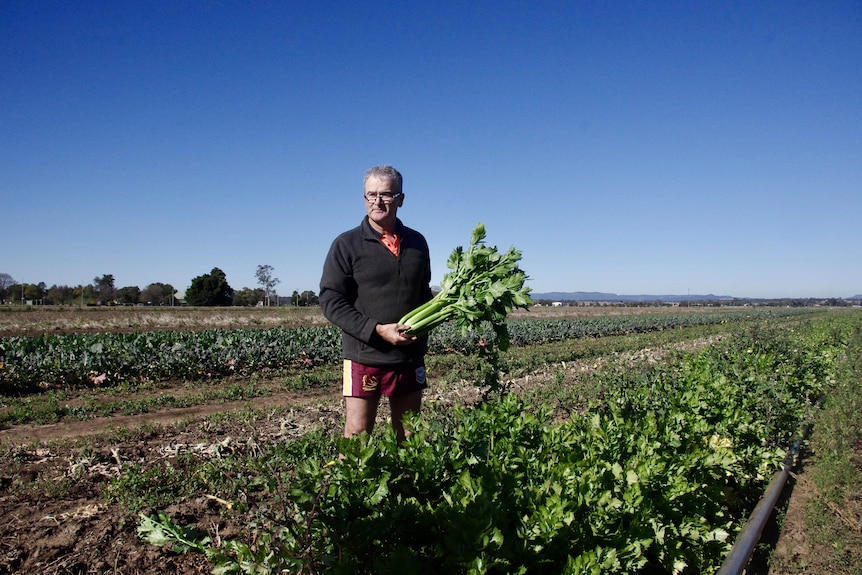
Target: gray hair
386,173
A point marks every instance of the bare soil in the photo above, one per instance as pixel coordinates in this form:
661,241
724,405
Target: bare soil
799,549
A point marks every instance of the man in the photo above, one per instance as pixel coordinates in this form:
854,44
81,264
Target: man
372,276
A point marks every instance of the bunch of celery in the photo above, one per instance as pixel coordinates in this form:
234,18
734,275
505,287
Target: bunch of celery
482,286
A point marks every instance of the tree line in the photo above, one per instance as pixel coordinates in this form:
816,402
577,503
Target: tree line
211,289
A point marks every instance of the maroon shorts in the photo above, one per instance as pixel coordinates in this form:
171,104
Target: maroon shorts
366,381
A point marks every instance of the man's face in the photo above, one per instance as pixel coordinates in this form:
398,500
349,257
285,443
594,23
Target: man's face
380,213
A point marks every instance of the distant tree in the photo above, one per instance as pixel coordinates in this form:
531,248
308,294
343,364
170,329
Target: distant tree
308,298
170,294
34,292
158,294
6,281
104,288
210,289
265,279
22,293
85,295
249,297
60,295
128,295
15,293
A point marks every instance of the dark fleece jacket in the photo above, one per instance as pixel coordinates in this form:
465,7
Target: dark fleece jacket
364,284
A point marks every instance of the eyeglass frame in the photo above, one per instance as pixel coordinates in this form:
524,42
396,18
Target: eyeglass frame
386,197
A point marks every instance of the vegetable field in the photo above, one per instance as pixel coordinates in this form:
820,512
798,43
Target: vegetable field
614,443
38,363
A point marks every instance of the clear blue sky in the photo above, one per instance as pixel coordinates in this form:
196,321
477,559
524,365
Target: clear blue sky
627,147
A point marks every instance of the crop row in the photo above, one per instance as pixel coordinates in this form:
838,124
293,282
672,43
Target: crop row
32,364
656,478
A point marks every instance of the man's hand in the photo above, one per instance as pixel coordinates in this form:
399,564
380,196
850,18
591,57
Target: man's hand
395,333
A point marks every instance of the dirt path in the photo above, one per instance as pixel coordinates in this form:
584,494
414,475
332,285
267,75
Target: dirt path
69,430
792,547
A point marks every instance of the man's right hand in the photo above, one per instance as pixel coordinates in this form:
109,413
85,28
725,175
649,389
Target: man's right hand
395,333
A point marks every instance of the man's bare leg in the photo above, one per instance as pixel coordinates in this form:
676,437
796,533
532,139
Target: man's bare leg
359,414
400,405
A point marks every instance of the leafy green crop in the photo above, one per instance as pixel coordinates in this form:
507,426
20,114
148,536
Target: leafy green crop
656,478
481,287
35,364
42,362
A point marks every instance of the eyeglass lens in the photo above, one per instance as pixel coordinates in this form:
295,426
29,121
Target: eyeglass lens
385,196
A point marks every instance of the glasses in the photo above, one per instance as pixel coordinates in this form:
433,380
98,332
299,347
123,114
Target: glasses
385,197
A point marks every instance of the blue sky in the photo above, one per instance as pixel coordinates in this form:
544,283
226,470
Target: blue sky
626,147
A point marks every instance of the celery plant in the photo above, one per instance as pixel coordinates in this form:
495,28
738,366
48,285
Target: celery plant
482,286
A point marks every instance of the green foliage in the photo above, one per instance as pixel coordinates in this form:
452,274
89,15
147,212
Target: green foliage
481,287
41,362
655,478
832,472
34,364
837,435
161,531
248,297
159,486
210,289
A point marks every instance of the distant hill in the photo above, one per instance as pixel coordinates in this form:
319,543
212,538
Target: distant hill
612,297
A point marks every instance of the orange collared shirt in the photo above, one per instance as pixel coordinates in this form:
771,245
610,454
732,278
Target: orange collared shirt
392,242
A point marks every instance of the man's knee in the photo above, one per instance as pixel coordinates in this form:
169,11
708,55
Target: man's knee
360,414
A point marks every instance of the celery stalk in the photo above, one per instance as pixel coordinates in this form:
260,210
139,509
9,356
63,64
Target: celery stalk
482,285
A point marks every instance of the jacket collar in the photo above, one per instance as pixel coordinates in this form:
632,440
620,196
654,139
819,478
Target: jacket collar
370,233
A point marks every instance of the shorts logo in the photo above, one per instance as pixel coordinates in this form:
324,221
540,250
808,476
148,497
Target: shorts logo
420,375
370,383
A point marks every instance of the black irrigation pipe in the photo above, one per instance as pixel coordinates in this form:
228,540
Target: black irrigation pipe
743,547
